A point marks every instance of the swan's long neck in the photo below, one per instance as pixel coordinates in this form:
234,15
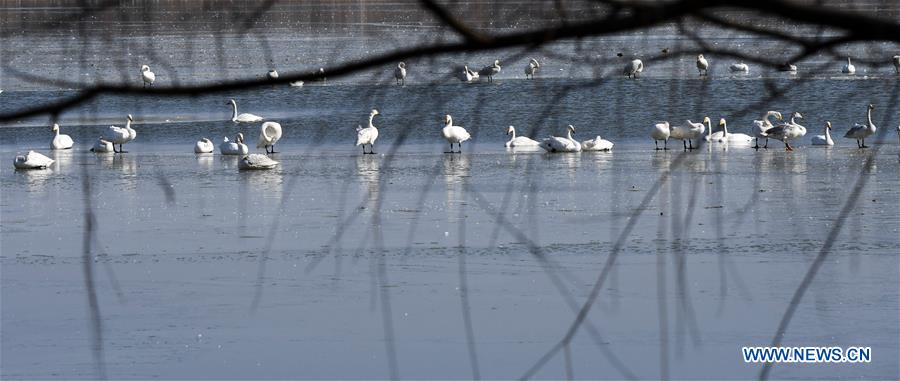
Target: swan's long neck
725,127
513,132
371,117
569,135
827,133
128,124
233,110
869,118
848,61
449,122
767,116
56,131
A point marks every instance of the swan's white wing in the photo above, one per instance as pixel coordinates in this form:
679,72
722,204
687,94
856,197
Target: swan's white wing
117,135
256,161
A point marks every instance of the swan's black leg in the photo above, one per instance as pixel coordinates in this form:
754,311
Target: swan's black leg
372,146
666,145
756,144
857,144
767,144
684,143
864,143
656,143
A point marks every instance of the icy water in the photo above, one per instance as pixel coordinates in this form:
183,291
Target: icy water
413,263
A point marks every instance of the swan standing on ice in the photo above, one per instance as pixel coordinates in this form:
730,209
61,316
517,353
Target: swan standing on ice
272,75
896,60
102,146
787,132
860,132
519,141
848,68
60,141
147,76
242,118
400,73
256,161
237,147
531,68
454,134
367,136
740,68
596,144
661,131
763,125
702,65
687,133
824,140
559,144
204,145
633,68
32,160
723,136
119,135
269,134
490,71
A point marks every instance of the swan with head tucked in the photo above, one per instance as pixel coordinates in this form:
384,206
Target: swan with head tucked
147,76
120,135
60,141
531,68
861,132
702,65
824,140
32,160
848,68
242,118
596,144
787,132
490,71
739,68
368,135
272,74
737,139
256,161
236,147
761,126
633,68
519,141
454,134
688,133
661,131
400,73
102,146
204,145
560,144
269,134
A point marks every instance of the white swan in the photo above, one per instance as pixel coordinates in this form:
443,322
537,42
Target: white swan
367,136
269,134
761,126
661,131
896,60
468,75
702,65
724,136
102,146
242,118
688,133
272,74
490,71
531,68
824,140
120,135
237,147
256,161
787,132
297,84
204,145
633,68
454,134
519,141
400,73
560,144
739,68
596,144
60,141
147,76
848,68
32,160
860,132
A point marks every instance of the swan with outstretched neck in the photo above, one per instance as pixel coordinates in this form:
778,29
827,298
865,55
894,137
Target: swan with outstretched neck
848,68
562,144
367,136
861,132
519,141
824,140
242,118
454,134
60,141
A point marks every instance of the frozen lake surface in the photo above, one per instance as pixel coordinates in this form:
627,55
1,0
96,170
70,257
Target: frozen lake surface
419,264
